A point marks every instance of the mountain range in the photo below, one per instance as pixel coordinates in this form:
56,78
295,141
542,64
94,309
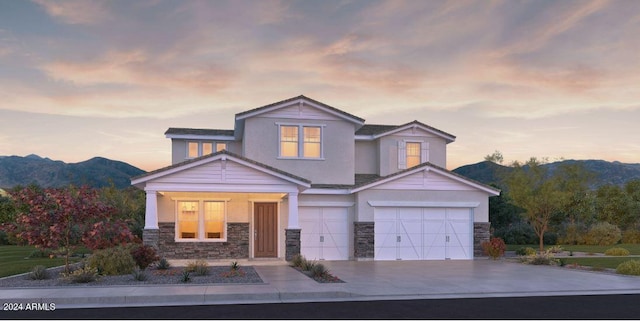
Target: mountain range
606,173
95,172
100,172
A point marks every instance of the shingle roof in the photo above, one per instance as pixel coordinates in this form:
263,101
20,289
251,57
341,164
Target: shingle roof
305,98
374,129
225,152
199,131
381,129
426,164
360,179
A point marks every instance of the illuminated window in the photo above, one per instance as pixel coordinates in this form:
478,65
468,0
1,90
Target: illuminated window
311,145
188,218
413,154
201,220
207,148
289,141
294,146
214,220
192,151
197,149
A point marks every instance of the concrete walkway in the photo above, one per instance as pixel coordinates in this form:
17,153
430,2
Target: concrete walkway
363,281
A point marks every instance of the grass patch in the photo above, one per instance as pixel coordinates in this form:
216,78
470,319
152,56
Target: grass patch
634,249
15,260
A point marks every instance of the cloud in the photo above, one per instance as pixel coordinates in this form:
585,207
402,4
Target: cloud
86,12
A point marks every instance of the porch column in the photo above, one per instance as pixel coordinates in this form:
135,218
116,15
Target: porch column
293,211
151,232
151,210
292,232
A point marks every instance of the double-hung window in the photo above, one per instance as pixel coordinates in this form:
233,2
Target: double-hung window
201,220
412,153
300,141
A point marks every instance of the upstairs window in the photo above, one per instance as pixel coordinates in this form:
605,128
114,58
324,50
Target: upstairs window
292,145
412,153
197,149
289,141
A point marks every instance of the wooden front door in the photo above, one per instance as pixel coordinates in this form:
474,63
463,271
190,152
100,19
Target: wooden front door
265,230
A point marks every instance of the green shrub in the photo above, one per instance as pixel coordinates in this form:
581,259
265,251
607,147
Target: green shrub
631,267
307,265
519,233
112,261
235,266
319,270
572,234
603,233
39,253
39,272
83,275
297,260
199,267
139,274
494,248
144,255
163,264
185,277
544,258
617,251
525,251
631,236
556,249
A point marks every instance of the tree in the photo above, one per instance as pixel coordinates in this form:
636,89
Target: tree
64,218
496,157
536,193
613,205
129,204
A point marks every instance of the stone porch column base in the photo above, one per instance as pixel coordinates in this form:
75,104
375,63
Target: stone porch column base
292,243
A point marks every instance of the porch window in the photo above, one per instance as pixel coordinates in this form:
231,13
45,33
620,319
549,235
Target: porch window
300,141
214,220
201,220
188,219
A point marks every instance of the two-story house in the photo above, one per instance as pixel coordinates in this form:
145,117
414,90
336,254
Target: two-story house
300,176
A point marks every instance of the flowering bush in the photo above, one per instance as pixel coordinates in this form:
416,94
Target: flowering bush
494,248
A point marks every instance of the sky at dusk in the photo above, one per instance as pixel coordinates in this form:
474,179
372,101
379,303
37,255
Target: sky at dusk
556,79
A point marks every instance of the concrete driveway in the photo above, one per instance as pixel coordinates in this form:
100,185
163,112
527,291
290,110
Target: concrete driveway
363,281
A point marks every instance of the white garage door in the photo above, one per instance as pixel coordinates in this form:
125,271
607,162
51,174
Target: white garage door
324,233
417,233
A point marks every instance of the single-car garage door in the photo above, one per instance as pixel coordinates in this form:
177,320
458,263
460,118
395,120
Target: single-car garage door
324,233
423,233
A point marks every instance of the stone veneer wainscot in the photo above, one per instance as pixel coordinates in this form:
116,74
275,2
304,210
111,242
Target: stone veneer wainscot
236,246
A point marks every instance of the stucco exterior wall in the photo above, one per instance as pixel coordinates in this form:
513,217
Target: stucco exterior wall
261,139
365,211
366,157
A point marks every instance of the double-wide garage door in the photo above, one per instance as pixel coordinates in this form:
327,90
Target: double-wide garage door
421,233
325,233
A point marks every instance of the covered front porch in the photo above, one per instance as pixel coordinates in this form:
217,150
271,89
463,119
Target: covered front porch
222,206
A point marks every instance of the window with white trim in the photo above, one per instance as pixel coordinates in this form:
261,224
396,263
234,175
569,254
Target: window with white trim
197,148
300,141
412,153
201,220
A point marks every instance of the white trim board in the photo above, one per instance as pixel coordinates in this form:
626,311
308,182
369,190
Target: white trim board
422,204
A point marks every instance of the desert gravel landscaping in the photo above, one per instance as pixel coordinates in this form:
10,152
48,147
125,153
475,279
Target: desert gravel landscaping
173,275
